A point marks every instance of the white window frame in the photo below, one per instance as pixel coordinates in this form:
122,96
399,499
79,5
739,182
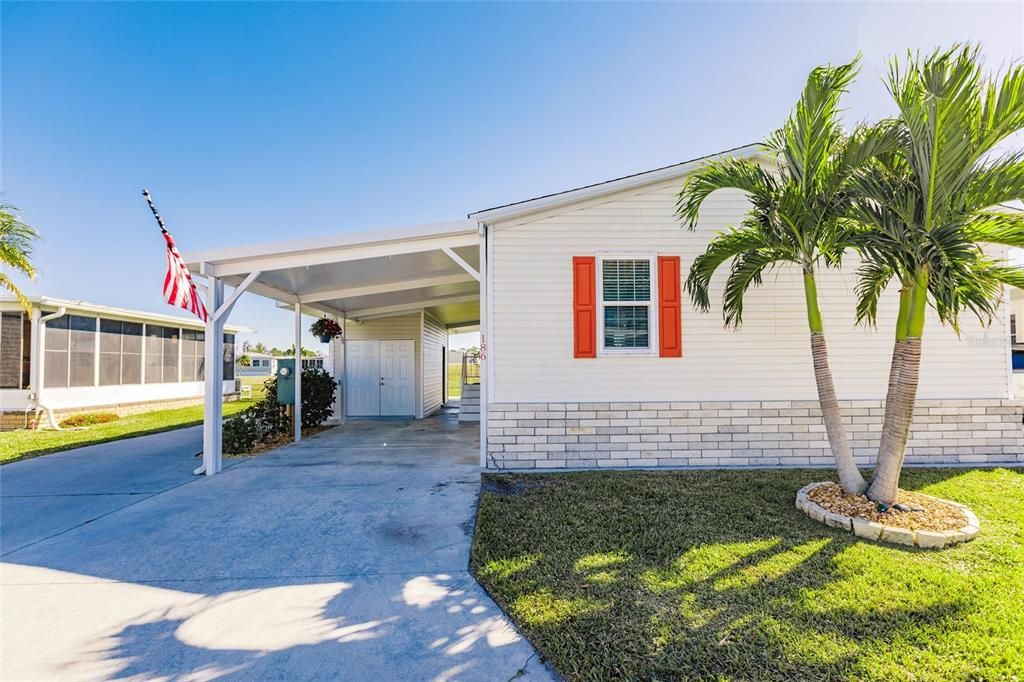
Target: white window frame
652,317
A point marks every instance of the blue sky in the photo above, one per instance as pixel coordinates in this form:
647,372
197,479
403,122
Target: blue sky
256,122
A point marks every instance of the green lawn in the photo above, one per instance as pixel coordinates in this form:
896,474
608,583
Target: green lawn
454,380
715,575
257,384
15,445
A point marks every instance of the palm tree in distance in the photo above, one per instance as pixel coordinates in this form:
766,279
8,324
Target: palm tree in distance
16,242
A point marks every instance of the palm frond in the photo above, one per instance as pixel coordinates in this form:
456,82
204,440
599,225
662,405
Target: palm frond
1010,275
868,142
9,284
991,227
743,174
747,271
995,183
873,276
807,140
16,242
1002,113
723,247
939,103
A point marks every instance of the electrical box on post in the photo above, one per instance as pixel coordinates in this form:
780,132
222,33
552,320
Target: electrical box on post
286,381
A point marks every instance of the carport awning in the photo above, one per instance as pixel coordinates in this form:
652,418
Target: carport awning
363,275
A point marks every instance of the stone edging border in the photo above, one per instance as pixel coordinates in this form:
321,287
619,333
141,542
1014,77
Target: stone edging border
872,530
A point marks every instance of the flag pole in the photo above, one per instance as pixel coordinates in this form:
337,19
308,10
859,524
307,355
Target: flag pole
208,466
152,207
170,242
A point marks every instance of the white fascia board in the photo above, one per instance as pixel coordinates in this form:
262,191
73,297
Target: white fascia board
112,312
343,254
573,196
333,242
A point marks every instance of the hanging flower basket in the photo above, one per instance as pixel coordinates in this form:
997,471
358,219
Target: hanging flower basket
325,329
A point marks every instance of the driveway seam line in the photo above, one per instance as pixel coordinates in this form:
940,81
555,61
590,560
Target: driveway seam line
97,518
139,492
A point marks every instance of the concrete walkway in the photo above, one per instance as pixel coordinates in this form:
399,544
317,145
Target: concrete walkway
342,557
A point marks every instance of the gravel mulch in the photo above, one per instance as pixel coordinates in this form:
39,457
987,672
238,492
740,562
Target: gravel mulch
925,512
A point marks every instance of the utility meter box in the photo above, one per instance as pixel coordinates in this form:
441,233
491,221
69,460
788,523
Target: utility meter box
286,381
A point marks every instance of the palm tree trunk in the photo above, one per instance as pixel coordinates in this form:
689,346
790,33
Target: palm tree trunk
902,320
849,476
896,430
899,409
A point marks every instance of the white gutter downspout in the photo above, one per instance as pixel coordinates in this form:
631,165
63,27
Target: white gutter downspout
485,332
37,384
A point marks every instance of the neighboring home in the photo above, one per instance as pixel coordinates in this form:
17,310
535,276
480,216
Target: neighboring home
260,365
316,361
592,354
265,365
98,358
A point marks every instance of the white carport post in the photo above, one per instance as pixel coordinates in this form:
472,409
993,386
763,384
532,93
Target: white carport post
213,373
213,352
298,371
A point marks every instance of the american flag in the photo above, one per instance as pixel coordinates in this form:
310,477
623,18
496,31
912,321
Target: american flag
179,289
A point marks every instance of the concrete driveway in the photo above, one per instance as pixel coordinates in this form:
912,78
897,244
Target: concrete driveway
342,557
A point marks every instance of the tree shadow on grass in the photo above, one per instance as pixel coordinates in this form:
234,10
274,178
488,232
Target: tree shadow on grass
701,575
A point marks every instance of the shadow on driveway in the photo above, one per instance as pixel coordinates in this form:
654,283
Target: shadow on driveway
344,556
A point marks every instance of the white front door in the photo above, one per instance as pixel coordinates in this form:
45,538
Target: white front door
362,371
397,385
380,378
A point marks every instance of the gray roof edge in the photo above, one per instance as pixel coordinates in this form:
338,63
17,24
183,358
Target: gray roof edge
609,186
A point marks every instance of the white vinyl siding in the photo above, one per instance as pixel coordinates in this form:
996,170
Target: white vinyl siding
397,327
435,339
531,344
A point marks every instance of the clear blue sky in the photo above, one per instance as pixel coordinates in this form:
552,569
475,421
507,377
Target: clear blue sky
254,122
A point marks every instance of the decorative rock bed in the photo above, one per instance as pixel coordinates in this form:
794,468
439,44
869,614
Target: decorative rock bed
875,530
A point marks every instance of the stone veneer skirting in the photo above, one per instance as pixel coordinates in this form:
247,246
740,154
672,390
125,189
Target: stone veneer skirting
10,421
740,433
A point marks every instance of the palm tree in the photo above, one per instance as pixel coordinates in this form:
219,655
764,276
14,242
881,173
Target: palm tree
16,239
928,209
799,206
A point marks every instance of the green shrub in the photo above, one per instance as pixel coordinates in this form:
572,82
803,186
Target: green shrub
267,419
90,419
318,390
240,433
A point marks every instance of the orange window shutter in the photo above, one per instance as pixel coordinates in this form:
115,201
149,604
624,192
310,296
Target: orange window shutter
670,308
584,306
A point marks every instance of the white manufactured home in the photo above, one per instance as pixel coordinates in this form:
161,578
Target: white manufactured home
265,364
591,354
67,357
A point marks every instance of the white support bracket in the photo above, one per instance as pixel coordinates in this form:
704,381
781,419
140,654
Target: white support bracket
225,309
462,263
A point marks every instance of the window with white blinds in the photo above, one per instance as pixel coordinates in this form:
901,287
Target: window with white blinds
626,299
